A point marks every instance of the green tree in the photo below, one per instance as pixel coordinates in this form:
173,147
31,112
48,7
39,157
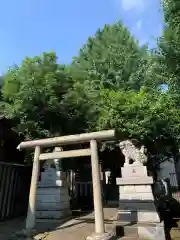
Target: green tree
112,59
111,84
169,46
33,94
148,115
116,84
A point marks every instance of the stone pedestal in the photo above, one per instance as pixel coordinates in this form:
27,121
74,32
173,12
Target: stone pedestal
52,201
136,200
101,236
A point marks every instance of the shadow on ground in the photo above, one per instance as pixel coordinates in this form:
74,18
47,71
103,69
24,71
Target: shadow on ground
15,229
82,221
78,227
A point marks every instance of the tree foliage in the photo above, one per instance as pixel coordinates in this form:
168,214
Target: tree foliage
112,59
33,94
169,45
146,115
112,83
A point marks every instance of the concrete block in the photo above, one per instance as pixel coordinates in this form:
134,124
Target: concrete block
52,191
143,188
138,216
55,222
137,196
151,217
51,183
134,181
52,198
133,171
52,206
127,189
53,174
135,189
137,205
53,214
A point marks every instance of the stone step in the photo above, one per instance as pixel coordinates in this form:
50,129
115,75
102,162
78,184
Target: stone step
127,238
126,230
135,231
129,230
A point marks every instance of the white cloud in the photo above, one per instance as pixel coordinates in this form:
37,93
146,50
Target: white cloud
132,4
137,31
139,25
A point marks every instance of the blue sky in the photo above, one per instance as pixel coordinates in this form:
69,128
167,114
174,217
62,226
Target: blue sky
29,27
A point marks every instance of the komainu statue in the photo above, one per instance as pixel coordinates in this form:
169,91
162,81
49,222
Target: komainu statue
133,153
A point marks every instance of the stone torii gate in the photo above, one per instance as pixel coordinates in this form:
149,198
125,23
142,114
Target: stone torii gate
93,138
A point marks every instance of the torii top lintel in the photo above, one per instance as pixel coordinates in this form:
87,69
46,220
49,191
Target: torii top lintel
69,139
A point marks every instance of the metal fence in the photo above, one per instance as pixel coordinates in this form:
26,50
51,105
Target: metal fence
14,190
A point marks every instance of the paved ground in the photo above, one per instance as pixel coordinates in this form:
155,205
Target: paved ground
76,229
80,227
